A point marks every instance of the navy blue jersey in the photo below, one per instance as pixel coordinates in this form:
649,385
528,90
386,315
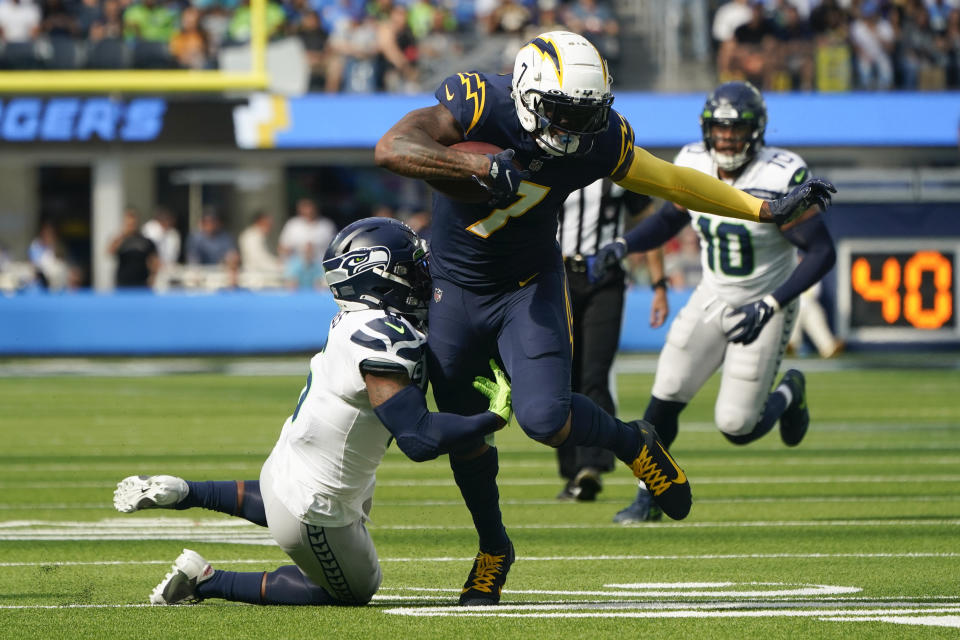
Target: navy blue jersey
479,247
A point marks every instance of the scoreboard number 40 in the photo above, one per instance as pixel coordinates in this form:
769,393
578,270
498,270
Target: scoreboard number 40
898,290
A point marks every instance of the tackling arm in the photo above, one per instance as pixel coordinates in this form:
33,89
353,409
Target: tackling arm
420,434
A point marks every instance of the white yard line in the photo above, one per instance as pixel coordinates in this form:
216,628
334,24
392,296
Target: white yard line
621,480
241,532
106,506
575,558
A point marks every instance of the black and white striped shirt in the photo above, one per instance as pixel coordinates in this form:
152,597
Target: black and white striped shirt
594,216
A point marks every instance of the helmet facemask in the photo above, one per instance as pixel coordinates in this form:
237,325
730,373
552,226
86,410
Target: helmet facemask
731,160
563,121
741,106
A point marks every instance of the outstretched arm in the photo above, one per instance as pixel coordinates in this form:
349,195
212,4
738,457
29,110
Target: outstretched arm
700,192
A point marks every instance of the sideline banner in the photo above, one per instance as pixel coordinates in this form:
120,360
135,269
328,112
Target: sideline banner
88,121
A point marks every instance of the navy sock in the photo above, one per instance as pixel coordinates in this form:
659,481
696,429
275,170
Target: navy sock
288,585
477,480
776,405
664,416
591,426
234,497
233,585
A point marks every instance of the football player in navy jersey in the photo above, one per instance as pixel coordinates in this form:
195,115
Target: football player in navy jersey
498,278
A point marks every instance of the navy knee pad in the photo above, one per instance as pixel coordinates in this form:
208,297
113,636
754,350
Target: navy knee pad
540,417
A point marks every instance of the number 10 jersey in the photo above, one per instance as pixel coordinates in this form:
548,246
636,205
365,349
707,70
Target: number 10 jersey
743,261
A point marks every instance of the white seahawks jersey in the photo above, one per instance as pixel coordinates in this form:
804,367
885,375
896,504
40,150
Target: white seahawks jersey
742,260
329,449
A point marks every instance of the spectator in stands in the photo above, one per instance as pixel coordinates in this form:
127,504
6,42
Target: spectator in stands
209,244
796,50
952,38
939,11
190,46
47,255
304,270
231,264
873,41
548,18
440,44
755,52
314,41
19,25
254,252
136,254
354,50
85,12
239,29
161,229
831,48
398,52
57,21
109,25
595,21
725,22
150,21
307,226
424,17
510,17
921,53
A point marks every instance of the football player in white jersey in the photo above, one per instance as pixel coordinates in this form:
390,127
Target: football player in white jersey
316,488
740,316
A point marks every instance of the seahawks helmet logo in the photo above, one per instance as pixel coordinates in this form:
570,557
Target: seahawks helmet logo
340,268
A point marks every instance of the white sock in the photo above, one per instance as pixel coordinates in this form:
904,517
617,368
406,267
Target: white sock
787,393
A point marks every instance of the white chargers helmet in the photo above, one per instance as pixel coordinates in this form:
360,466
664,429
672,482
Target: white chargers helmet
561,90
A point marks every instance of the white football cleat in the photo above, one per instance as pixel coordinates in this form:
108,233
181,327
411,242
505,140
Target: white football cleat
180,585
149,492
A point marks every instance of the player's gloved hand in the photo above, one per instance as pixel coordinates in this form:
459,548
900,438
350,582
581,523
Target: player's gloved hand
755,316
607,257
503,179
813,191
498,392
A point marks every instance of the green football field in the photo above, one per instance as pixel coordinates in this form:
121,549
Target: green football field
853,534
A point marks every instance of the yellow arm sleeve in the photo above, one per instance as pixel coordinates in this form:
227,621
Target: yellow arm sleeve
687,187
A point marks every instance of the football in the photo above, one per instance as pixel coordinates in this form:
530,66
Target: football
466,190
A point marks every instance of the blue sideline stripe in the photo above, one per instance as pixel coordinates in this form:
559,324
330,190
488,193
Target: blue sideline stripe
141,323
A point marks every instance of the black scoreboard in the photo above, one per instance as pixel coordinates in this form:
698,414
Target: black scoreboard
898,289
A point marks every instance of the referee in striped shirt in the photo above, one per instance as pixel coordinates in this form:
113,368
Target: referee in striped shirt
590,218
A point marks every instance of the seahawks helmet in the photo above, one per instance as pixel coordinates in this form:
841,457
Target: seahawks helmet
561,91
378,263
732,104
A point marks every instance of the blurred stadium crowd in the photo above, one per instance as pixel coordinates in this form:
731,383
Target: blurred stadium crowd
410,45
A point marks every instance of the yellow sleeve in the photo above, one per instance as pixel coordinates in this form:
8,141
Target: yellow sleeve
688,187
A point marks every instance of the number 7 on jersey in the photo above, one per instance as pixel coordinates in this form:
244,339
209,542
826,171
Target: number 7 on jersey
530,195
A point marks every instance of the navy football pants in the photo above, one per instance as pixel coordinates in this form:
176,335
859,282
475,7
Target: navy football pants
526,328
